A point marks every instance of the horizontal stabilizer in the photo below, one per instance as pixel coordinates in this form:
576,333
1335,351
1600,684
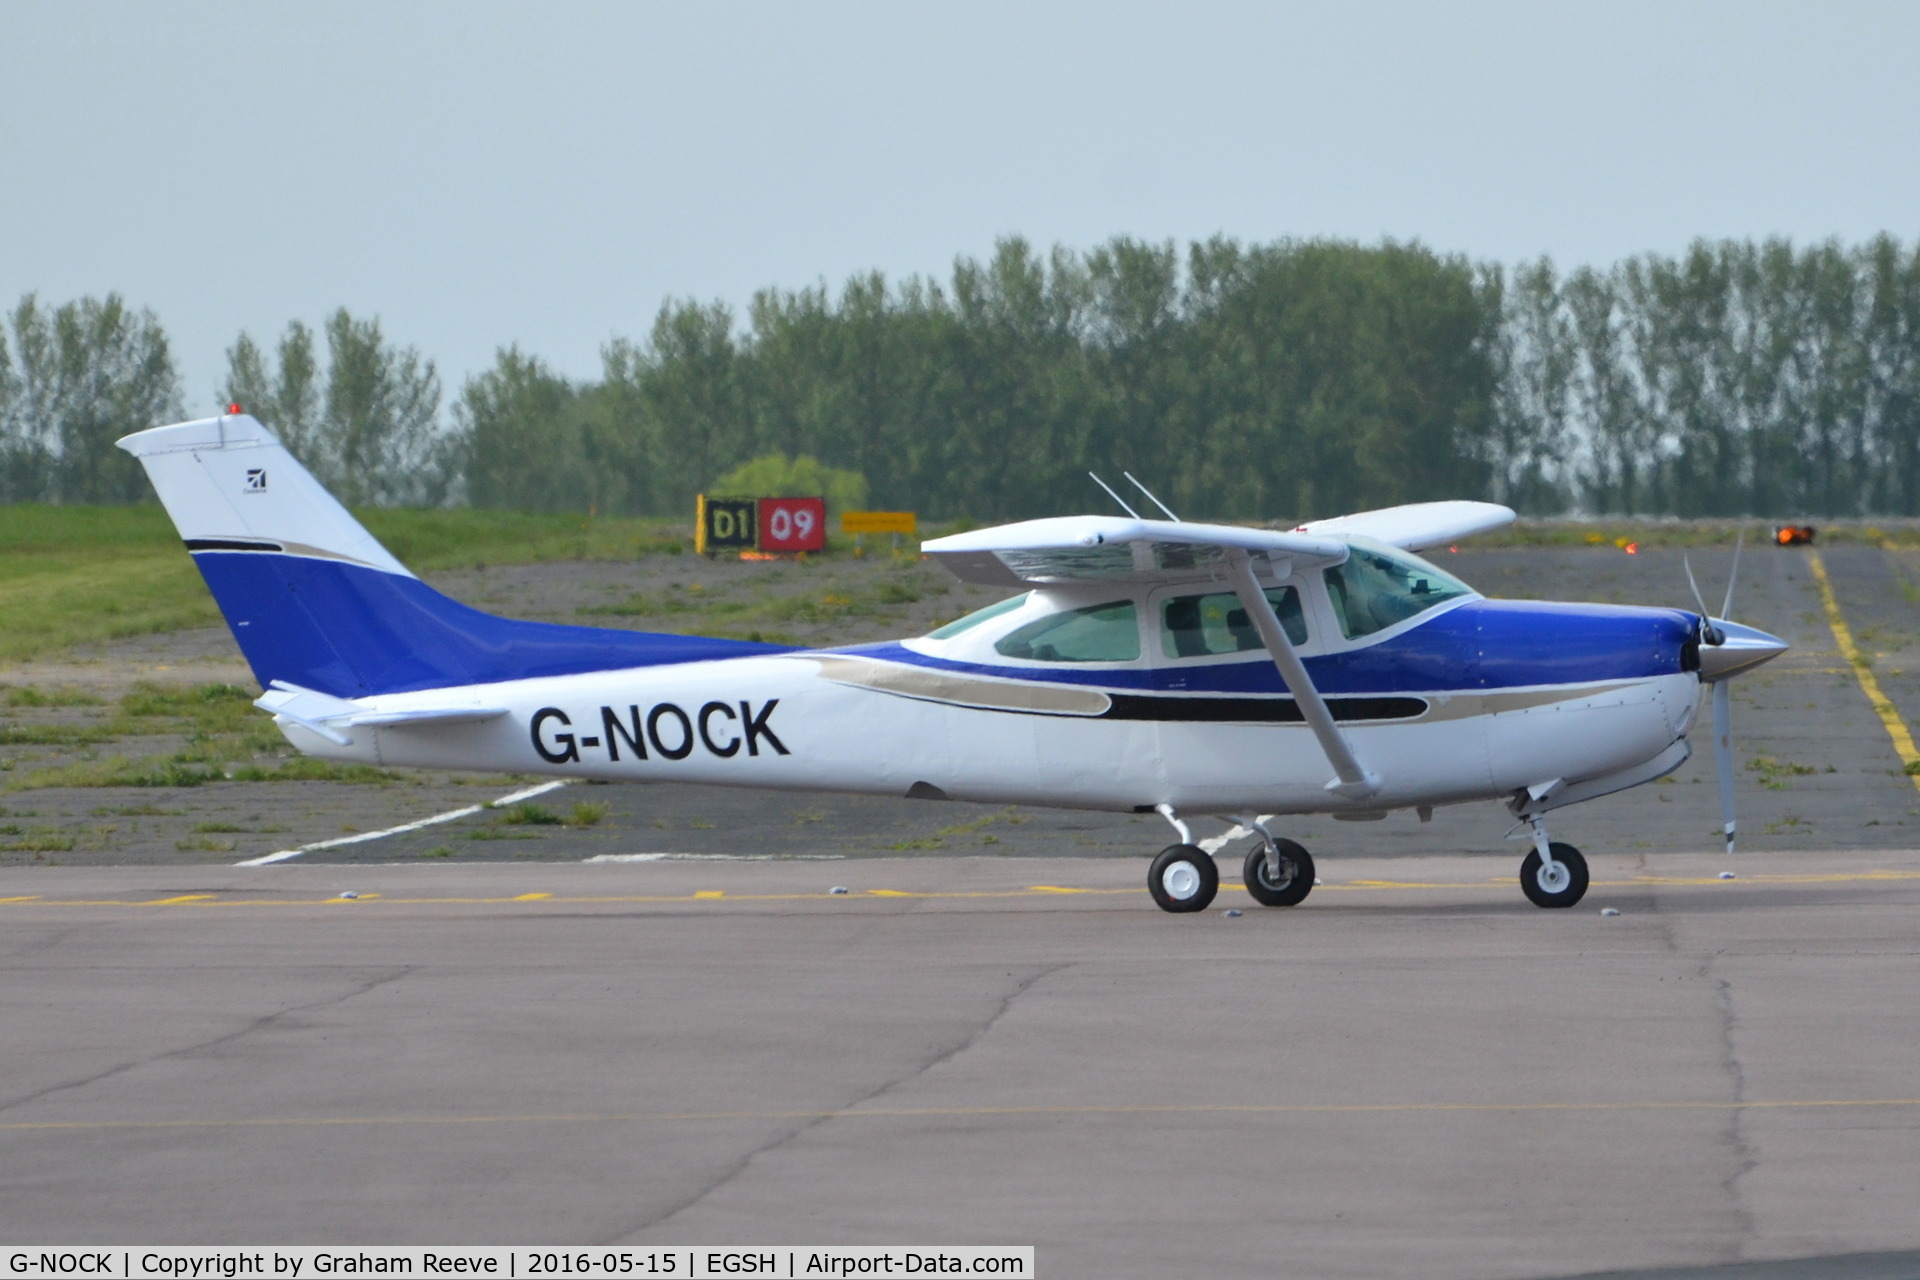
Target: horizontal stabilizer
328,716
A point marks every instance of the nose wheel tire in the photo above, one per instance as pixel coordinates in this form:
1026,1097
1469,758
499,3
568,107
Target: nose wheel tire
1183,878
1560,886
1294,882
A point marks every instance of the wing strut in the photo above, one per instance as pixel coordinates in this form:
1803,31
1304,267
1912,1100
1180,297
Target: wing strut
1354,782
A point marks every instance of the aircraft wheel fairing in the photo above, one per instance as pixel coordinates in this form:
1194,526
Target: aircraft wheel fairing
1563,886
1183,878
1296,875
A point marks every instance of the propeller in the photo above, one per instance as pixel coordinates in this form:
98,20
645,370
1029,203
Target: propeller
1749,648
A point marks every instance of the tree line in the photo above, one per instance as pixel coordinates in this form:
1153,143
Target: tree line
1248,381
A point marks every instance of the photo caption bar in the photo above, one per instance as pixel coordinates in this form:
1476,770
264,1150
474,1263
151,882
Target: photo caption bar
688,1262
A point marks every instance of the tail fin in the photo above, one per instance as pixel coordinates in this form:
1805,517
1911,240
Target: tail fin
314,600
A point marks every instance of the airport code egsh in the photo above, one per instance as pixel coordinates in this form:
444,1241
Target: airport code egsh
515,1263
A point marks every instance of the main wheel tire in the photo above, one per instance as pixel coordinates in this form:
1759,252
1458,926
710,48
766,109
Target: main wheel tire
1562,890
1296,875
1183,878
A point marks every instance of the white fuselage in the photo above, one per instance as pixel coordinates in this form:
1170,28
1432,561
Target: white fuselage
817,722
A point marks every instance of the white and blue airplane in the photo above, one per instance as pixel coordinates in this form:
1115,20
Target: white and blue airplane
1137,666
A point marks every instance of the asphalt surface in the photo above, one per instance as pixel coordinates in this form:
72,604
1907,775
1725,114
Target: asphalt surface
1413,1074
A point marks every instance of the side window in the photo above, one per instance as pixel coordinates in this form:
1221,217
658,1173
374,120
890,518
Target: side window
1097,633
1374,589
1201,626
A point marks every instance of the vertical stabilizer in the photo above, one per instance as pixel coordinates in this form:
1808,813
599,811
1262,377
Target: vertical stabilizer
230,481
315,601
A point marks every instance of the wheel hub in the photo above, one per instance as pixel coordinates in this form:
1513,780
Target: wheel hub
1282,878
1553,877
1181,881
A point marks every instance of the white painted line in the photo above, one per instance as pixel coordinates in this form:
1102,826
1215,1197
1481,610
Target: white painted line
365,836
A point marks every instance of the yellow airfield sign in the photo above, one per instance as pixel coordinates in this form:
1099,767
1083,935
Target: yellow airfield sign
879,522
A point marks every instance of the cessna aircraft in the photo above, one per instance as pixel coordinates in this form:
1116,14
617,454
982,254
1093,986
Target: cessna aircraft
1137,666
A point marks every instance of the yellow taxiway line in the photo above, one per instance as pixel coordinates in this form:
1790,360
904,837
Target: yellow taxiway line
1863,672
914,1113
717,896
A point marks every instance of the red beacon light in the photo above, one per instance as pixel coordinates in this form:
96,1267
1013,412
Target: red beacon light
233,409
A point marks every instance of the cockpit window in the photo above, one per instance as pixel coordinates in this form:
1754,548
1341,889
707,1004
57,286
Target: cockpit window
978,616
1378,587
1201,626
1097,633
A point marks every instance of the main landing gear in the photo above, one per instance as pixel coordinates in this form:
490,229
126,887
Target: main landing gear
1183,878
1279,873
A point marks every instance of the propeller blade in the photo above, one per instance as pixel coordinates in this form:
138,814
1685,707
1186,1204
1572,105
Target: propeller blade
1708,632
1726,610
1688,566
1723,754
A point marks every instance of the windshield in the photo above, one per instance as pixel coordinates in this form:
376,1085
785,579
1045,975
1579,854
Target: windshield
978,616
1201,626
1097,633
1379,586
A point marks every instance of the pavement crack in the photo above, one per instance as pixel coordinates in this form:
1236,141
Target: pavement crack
253,1025
1744,1159
733,1171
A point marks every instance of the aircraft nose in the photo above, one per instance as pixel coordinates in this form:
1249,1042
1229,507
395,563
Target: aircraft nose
1744,649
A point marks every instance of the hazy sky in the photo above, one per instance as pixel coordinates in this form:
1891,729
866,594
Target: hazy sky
480,173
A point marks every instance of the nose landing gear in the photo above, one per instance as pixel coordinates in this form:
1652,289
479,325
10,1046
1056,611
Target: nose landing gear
1554,874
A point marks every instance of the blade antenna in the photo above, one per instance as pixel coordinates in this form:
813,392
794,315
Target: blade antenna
1116,497
1726,610
1156,502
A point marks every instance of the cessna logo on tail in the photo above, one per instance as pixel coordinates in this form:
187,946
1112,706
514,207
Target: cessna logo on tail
669,729
256,480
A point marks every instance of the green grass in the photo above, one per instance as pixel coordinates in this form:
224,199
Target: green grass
531,815
82,575
224,738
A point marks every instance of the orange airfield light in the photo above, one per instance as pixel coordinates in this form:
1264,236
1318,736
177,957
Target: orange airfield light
1793,535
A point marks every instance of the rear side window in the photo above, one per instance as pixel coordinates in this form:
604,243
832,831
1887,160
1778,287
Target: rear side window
1202,626
1097,633
1376,588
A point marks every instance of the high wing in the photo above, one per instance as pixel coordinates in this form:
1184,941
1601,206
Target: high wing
1417,525
1119,549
